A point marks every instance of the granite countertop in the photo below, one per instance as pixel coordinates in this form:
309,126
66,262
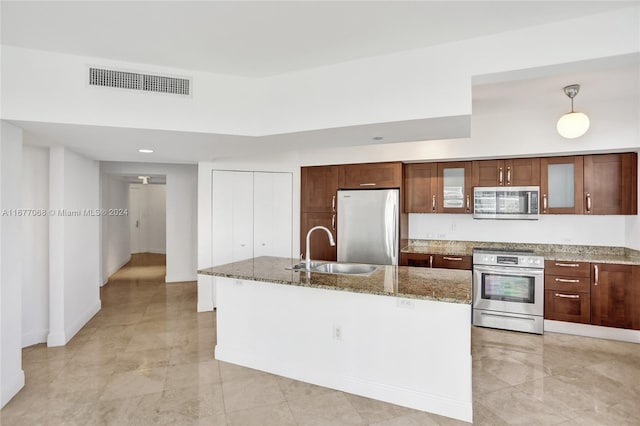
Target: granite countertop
594,254
443,285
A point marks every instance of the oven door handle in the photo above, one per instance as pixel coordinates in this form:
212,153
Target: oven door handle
521,272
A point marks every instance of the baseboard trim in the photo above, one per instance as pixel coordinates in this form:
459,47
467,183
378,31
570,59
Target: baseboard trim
116,268
34,337
11,387
596,331
62,338
180,278
205,307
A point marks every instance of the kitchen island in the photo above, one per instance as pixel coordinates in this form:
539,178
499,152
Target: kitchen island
400,334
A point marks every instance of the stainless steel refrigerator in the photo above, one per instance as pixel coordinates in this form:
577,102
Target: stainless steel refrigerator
368,226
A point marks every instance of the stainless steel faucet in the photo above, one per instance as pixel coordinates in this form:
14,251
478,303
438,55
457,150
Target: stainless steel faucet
308,250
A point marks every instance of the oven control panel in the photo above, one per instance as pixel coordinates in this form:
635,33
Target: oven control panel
527,261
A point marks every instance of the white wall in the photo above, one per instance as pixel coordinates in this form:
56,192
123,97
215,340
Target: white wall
11,373
35,246
181,217
115,228
152,202
74,244
419,83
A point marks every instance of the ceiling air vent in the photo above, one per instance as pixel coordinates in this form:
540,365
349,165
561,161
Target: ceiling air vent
136,81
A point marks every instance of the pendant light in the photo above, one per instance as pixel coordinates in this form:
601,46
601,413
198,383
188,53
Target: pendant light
573,124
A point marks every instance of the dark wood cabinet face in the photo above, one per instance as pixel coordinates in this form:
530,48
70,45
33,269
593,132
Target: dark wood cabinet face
420,260
508,172
567,306
319,241
371,175
319,186
421,187
452,262
522,172
613,294
454,187
610,184
561,184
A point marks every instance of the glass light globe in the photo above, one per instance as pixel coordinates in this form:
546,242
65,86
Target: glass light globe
573,125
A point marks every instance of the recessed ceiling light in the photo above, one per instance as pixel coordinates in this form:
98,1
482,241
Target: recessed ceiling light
145,151
377,138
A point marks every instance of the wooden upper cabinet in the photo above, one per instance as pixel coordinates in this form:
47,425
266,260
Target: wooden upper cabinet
509,172
522,172
421,187
610,183
318,188
561,185
371,175
454,187
613,295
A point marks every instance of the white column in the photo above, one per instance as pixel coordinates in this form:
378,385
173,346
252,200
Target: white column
11,373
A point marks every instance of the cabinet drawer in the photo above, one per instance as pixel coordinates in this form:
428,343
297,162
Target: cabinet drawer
567,283
416,259
567,306
452,262
567,268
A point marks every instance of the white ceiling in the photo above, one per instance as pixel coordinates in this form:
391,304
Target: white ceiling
261,38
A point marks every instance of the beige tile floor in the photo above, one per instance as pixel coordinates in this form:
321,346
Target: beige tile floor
147,359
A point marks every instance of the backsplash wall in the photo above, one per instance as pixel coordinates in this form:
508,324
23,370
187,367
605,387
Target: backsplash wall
549,229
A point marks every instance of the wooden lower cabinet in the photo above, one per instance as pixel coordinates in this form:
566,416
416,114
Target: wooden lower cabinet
320,247
614,298
453,262
423,260
567,306
567,291
420,260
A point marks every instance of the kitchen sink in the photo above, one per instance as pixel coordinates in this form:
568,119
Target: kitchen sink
303,266
345,268
336,268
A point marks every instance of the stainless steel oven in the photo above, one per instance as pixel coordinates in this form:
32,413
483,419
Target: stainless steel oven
508,290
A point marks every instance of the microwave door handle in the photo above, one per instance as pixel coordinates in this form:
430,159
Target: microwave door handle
528,202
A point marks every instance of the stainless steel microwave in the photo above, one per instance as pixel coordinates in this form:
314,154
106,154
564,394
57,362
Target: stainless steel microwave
506,202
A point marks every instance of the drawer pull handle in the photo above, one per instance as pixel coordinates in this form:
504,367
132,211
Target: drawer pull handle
500,176
431,261
568,265
333,204
508,175
564,280
568,296
367,184
452,258
595,270
433,203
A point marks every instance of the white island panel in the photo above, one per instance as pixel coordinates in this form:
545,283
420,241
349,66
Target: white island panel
411,352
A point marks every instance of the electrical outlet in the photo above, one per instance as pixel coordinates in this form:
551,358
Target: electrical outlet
454,226
405,303
337,332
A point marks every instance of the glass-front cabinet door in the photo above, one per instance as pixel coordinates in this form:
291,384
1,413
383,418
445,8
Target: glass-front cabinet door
454,187
561,185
